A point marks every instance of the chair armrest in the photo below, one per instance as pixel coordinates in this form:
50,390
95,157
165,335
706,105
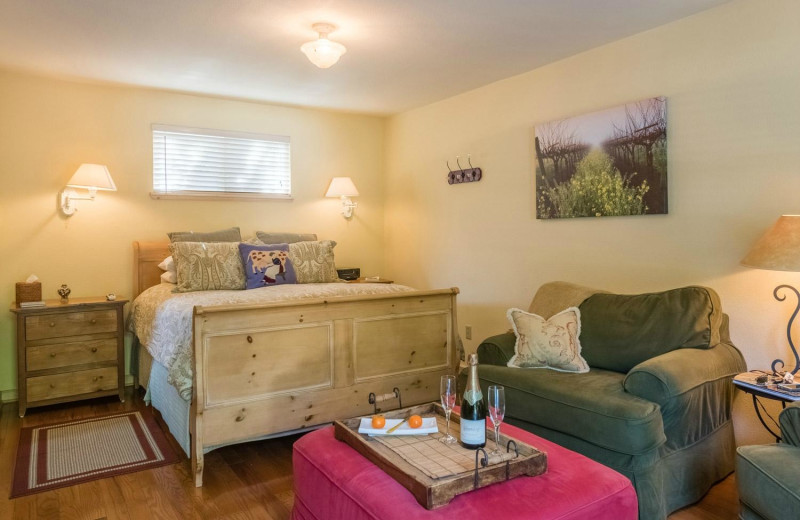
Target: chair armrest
497,350
664,377
790,424
692,386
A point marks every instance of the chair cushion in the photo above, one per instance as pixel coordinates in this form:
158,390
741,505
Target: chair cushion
620,331
768,479
591,406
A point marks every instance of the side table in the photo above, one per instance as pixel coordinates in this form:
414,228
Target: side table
70,351
371,280
746,382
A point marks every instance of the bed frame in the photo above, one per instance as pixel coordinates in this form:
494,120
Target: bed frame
266,369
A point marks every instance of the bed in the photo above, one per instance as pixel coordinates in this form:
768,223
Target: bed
234,367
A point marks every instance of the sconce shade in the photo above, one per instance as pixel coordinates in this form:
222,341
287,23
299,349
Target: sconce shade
779,248
92,177
342,187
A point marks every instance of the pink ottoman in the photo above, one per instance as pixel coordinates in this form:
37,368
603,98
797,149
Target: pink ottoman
334,482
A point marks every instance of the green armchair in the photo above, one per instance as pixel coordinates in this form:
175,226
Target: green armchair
769,476
656,402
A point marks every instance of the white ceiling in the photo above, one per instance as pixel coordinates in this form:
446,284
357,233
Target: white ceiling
400,53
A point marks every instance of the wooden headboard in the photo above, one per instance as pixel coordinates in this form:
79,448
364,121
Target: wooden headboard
146,257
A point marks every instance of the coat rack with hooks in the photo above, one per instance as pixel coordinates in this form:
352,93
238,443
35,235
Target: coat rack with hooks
463,175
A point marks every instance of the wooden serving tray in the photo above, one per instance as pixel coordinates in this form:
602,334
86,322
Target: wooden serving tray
435,472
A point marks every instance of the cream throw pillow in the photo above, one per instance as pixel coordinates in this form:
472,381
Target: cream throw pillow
207,266
313,261
549,343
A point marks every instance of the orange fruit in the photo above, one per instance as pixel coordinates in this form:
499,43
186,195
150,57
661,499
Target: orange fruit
415,421
378,421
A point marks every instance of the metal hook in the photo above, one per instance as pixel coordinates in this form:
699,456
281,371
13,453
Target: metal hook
449,170
458,163
469,158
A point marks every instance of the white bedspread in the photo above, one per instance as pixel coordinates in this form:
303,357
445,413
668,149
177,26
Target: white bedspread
162,320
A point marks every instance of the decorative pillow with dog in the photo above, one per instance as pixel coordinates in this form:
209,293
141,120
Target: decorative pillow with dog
267,265
549,343
209,266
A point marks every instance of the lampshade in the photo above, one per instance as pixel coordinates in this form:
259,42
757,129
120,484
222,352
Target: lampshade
342,187
323,52
93,177
779,248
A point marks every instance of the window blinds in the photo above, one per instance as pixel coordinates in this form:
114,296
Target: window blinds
192,161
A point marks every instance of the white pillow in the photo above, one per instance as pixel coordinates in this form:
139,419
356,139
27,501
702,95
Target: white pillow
549,343
168,264
169,277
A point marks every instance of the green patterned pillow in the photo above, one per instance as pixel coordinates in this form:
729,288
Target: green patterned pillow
209,266
313,261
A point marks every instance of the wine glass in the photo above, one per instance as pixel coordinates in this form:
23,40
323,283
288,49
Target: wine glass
496,400
447,391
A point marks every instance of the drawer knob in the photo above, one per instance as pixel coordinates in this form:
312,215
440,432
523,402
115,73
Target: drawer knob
52,385
52,324
93,321
94,349
249,339
52,354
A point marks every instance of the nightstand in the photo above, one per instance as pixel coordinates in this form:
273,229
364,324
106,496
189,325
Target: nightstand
70,351
365,280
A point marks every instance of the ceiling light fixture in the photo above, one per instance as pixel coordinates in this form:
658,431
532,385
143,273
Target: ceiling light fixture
322,52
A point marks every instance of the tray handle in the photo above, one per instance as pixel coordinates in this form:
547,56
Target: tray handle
375,399
484,461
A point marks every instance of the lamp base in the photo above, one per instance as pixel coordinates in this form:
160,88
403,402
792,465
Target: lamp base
348,206
781,298
67,205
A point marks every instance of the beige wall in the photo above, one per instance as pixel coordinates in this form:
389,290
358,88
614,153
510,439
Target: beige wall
48,128
732,79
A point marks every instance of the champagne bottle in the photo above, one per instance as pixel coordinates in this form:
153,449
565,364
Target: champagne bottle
473,410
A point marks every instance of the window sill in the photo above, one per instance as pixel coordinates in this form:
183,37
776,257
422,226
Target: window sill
197,195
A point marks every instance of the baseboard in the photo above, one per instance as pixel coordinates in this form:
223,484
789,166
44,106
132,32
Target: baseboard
11,396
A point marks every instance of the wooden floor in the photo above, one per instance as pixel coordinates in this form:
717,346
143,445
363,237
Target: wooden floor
252,480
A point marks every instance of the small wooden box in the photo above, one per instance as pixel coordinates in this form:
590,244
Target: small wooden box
29,292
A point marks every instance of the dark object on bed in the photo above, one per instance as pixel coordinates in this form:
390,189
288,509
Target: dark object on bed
349,273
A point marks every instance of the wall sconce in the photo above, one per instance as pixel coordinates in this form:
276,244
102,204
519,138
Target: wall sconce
91,177
343,187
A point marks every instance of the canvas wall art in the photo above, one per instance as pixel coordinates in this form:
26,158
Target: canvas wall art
607,163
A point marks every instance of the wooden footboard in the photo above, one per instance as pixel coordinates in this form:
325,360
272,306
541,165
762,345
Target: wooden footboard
266,369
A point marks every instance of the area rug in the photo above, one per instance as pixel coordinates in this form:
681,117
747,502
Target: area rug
72,452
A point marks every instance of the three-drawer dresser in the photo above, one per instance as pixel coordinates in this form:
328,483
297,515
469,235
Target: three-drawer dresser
70,351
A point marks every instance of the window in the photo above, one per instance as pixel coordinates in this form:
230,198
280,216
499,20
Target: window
192,162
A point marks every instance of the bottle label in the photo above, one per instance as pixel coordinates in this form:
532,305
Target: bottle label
473,432
473,396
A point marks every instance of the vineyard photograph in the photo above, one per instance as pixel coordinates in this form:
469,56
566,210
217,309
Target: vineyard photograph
607,163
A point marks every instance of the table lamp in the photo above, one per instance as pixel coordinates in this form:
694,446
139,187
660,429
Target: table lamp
779,250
